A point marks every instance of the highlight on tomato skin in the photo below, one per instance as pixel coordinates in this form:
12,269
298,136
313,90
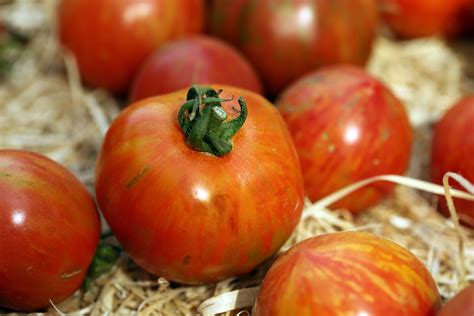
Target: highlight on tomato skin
347,126
49,231
193,60
110,38
286,39
347,273
188,214
462,304
452,150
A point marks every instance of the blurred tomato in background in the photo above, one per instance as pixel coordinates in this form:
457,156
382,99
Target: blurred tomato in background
285,39
110,38
419,18
194,60
453,150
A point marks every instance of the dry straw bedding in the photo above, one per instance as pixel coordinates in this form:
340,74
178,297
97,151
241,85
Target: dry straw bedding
45,108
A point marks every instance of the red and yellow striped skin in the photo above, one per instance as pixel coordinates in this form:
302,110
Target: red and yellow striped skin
346,126
49,231
189,216
347,274
111,38
453,150
284,39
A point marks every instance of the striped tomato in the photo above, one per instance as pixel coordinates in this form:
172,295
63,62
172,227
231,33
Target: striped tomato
111,38
286,38
200,198
347,273
49,231
347,126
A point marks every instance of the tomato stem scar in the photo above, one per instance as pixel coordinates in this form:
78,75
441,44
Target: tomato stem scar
203,121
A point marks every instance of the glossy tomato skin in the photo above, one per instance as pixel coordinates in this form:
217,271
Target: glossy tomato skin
189,216
462,304
111,38
193,60
346,126
285,39
419,18
453,147
347,273
50,231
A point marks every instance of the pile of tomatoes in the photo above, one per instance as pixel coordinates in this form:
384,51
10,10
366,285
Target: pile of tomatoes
202,178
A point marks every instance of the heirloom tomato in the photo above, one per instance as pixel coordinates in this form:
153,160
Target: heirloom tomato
418,18
346,126
111,38
285,39
50,231
347,273
452,150
194,60
189,202
462,304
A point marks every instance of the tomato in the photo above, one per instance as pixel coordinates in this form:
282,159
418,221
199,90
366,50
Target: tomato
50,231
347,273
462,304
111,38
193,216
465,19
193,60
285,39
418,18
347,126
452,150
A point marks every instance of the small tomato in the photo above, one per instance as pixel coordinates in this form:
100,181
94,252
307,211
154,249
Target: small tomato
194,60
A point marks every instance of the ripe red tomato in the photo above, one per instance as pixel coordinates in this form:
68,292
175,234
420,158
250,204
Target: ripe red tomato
111,38
418,18
465,19
462,304
285,39
194,60
49,231
347,126
193,216
347,273
453,149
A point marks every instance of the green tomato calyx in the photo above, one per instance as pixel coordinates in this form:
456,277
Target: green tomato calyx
203,121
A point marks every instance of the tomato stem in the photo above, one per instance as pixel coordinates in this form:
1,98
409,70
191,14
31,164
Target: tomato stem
203,121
